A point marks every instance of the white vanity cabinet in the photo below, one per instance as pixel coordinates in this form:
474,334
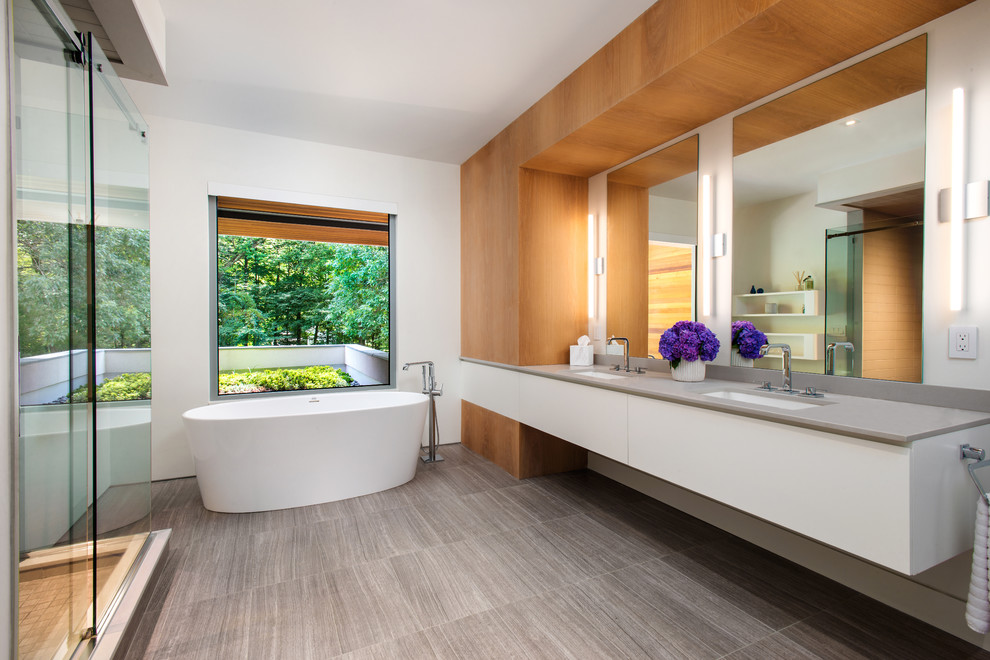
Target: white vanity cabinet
589,417
905,506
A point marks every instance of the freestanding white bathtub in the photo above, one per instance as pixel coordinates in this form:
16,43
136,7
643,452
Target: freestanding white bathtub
283,452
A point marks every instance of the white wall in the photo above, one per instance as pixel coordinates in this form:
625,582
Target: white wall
675,220
778,238
957,57
185,156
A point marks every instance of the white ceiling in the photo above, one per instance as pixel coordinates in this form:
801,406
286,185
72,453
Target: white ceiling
432,79
792,166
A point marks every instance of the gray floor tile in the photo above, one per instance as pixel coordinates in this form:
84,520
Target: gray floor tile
712,619
438,586
736,559
275,556
531,552
763,599
539,504
417,646
453,519
548,626
482,636
593,547
368,605
465,561
586,490
774,647
631,625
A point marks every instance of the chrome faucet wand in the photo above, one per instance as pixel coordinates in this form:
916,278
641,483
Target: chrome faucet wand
830,355
785,351
431,390
625,351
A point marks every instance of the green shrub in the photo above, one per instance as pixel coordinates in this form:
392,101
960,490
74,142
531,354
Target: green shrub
125,387
281,380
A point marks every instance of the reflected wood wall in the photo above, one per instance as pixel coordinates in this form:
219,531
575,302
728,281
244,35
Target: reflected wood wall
627,265
670,290
892,284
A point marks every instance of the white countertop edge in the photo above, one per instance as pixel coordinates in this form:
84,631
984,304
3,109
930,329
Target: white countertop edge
693,397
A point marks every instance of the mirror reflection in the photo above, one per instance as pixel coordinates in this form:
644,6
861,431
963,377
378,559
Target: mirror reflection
651,244
827,227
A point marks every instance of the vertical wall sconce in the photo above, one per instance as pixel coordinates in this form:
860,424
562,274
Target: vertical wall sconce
592,266
706,245
957,212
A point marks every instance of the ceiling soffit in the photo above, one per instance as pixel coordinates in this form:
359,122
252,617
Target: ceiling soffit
786,43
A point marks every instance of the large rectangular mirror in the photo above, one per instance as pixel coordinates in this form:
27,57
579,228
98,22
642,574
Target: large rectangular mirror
828,186
651,243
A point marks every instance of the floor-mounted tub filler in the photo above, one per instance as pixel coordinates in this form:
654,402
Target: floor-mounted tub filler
283,452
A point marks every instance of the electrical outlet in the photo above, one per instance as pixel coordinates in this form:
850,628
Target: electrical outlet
964,342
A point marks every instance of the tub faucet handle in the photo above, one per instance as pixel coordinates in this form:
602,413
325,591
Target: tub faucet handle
438,390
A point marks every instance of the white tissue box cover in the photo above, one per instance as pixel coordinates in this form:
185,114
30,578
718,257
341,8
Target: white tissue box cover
582,356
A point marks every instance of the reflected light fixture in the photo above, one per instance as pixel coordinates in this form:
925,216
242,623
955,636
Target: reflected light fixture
706,245
852,122
957,200
592,288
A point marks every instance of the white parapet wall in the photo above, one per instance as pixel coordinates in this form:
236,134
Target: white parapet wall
367,365
49,377
276,357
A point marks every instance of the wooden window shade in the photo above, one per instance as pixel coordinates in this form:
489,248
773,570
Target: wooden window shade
248,217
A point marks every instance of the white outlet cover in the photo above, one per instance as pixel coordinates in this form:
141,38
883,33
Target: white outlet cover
972,334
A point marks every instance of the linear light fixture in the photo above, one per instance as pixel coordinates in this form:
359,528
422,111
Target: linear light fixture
957,213
592,284
706,245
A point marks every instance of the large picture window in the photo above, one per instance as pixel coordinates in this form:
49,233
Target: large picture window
303,297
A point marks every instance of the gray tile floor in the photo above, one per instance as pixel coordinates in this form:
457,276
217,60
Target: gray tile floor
466,562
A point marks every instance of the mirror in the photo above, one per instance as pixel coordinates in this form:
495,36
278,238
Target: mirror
828,186
651,241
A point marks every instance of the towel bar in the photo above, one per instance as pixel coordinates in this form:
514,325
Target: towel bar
965,451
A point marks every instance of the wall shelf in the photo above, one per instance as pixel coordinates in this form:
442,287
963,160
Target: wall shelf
804,345
789,303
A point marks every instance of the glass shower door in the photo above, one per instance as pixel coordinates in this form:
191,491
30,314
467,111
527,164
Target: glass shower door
122,329
55,526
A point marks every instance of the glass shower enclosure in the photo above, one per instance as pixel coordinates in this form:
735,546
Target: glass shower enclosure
874,297
81,217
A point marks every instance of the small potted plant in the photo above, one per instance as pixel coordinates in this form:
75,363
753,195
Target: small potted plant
688,345
746,343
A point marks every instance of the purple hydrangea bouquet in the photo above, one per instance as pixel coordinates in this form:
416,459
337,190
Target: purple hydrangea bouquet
688,341
747,339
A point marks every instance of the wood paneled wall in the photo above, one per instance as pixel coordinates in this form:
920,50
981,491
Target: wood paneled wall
681,64
553,265
627,265
520,450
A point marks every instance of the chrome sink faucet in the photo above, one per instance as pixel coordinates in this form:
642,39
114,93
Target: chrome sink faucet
625,352
830,354
785,351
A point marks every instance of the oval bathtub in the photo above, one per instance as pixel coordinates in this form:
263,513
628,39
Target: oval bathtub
283,452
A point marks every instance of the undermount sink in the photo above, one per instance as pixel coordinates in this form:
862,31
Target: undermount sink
599,374
782,401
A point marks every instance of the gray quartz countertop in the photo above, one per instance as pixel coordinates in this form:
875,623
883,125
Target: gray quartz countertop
891,422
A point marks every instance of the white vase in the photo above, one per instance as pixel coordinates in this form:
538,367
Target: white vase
737,360
688,372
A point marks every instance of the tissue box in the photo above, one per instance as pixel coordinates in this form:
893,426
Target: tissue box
582,356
